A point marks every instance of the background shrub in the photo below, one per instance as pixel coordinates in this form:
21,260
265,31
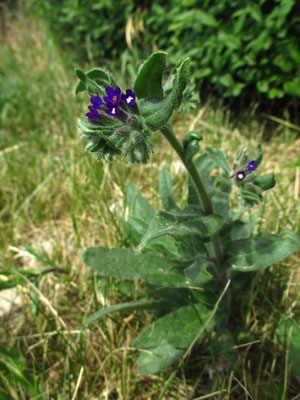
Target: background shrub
236,46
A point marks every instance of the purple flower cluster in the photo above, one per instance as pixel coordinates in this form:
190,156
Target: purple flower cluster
251,166
112,100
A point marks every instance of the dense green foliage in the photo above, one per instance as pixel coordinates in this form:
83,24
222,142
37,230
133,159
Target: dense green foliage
236,47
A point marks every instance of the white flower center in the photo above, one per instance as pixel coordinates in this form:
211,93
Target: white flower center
113,110
129,99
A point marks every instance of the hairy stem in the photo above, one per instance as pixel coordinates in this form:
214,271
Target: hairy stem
167,131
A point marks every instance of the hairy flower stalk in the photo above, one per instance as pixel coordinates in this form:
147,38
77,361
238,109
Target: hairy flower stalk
167,131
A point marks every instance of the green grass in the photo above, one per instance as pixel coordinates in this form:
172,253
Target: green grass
55,200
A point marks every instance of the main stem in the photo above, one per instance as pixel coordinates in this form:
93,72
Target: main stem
167,131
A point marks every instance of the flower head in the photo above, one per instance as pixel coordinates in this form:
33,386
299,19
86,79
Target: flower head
113,95
251,165
93,114
112,110
97,102
240,175
129,98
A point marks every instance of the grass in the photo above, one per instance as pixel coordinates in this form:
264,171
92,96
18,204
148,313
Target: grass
56,200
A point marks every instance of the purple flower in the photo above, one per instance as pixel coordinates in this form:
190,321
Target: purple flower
240,175
113,95
252,165
97,102
93,114
129,97
112,110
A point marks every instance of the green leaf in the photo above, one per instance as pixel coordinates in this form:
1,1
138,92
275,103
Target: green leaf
93,80
180,226
222,184
240,155
220,158
130,306
190,136
173,332
158,359
157,111
248,197
125,264
221,206
191,149
197,271
166,191
148,80
138,205
204,164
80,74
289,335
80,87
255,254
265,182
292,87
101,77
240,230
259,155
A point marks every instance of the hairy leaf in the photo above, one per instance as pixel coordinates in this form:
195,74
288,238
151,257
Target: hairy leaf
255,254
157,111
148,80
175,332
220,158
125,264
138,205
181,226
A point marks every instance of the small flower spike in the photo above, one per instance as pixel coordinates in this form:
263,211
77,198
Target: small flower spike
252,165
97,102
113,95
240,175
129,97
93,114
112,110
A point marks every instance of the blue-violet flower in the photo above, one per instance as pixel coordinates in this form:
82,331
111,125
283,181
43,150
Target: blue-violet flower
113,95
252,165
112,110
93,114
129,97
97,102
240,175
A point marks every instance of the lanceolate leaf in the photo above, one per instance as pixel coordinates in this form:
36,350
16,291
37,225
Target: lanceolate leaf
148,80
130,306
166,191
181,226
173,333
125,264
256,254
